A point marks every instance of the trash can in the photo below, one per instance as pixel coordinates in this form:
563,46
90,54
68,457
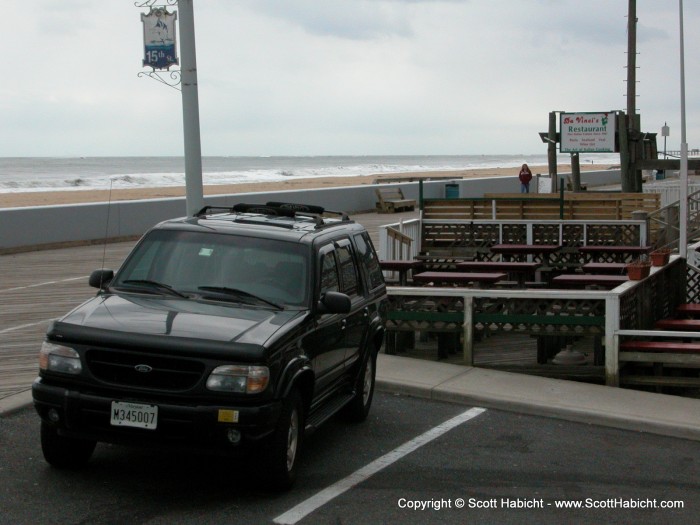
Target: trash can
452,190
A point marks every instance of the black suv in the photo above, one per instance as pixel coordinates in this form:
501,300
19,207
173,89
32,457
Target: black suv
238,327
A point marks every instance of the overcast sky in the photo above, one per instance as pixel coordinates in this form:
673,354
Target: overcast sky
334,77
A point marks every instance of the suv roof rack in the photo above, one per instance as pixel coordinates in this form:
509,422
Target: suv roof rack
279,209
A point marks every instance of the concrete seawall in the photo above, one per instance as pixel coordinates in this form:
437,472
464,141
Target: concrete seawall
46,226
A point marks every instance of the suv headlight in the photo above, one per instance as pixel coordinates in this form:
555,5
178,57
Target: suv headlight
238,378
56,358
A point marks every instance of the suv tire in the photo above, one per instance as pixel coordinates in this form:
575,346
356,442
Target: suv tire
63,452
357,410
285,443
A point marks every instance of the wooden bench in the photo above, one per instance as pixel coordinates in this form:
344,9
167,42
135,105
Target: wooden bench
609,253
613,268
459,278
588,279
690,310
658,354
681,325
391,200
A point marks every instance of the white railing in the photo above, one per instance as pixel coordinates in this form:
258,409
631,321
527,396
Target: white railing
670,191
612,309
531,224
399,241
612,298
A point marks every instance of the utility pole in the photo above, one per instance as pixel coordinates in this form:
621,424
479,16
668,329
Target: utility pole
632,181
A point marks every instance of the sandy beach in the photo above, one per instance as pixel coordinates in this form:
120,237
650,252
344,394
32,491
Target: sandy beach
47,198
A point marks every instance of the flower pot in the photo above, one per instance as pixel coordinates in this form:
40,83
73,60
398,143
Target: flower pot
659,258
637,273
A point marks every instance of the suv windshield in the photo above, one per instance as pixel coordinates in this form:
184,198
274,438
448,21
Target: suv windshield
190,262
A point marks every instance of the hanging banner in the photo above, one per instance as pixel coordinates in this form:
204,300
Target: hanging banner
160,49
587,132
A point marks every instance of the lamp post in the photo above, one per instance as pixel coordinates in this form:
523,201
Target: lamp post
190,111
160,53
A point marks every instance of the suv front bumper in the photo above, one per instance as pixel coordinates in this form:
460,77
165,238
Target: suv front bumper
87,416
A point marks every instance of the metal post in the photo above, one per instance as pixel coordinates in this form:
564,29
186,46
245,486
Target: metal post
683,207
420,194
468,331
561,199
552,150
190,110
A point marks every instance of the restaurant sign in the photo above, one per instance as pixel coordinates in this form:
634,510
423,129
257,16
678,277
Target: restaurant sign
160,49
587,132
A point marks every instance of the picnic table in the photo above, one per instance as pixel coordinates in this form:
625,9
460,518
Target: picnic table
459,278
520,269
402,267
509,250
589,279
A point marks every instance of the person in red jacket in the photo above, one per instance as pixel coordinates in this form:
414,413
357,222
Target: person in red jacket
525,177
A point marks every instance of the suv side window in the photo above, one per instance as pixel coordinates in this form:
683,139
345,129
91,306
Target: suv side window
369,260
329,271
348,269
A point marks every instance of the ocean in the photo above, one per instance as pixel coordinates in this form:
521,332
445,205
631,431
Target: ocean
25,174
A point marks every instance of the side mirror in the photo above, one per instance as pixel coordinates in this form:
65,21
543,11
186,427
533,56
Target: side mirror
334,303
101,278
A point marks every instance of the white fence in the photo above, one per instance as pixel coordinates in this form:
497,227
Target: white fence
670,190
391,249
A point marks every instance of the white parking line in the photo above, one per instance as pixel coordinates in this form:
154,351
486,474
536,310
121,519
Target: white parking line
43,284
316,501
13,328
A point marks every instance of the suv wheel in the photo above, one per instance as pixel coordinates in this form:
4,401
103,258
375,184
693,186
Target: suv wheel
285,444
63,452
358,409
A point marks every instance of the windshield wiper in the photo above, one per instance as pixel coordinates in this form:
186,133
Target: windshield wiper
155,284
240,294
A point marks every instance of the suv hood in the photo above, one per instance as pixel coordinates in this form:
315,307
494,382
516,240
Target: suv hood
181,318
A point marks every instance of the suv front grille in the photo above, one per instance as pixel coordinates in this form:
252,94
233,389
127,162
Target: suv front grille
144,370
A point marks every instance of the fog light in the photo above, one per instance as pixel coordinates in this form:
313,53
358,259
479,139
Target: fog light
54,416
233,436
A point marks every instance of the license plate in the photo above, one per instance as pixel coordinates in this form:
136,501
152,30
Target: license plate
134,415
